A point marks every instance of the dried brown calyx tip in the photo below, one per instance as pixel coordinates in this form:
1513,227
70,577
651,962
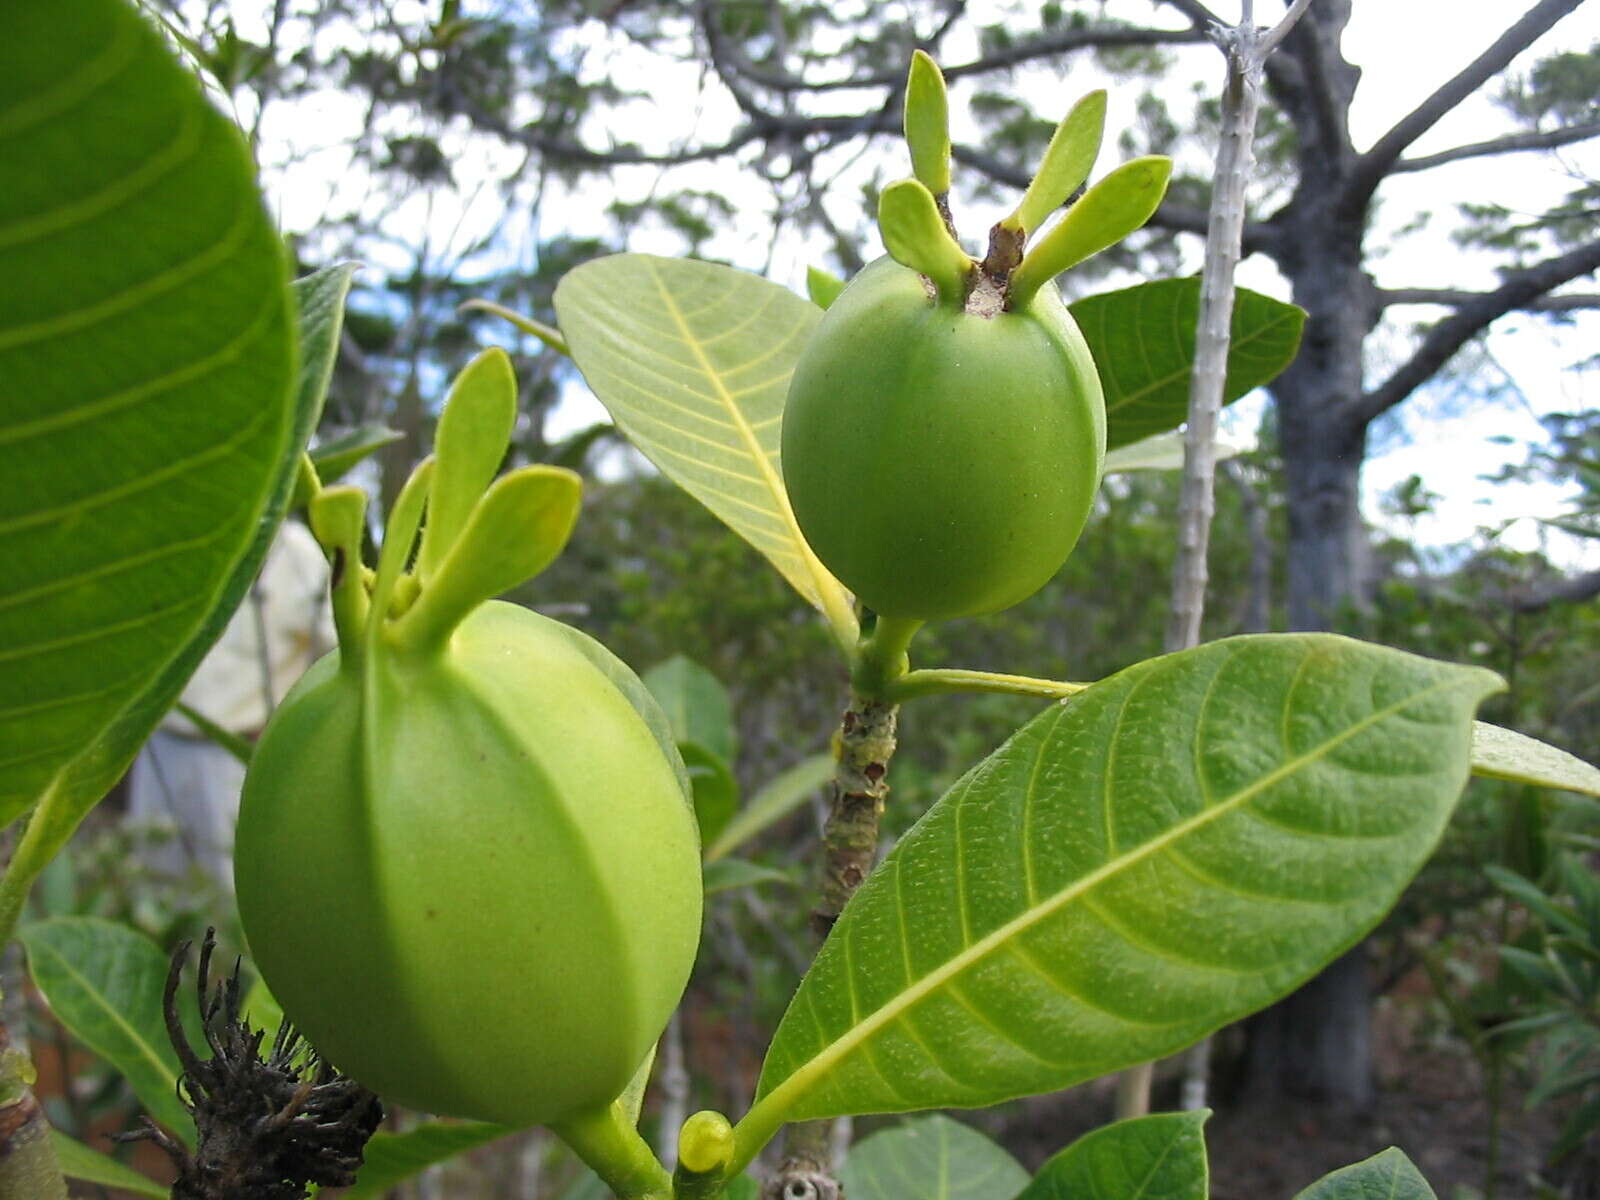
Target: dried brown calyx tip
267,1127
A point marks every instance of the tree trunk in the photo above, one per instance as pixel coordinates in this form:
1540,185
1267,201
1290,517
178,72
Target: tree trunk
1316,1045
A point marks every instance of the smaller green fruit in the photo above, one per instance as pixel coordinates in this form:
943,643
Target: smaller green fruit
940,462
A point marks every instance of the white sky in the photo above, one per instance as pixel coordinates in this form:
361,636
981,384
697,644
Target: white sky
1405,49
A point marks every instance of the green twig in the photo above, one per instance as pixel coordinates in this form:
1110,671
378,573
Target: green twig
941,680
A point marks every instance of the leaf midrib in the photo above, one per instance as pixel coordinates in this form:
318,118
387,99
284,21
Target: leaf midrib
96,997
799,1082
823,582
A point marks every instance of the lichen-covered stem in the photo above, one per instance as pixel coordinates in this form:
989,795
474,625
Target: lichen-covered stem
28,1166
860,788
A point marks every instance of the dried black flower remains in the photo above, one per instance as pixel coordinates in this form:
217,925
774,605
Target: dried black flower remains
267,1127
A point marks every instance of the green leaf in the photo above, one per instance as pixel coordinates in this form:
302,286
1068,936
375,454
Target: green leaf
931,1158
1178,846
693,361
1499,753
696,704
149,365
335,457
1142,339
728,873
319,306
393,1158
914,233
773,802
1067,161
1386,1176
104,983
1162,452
716,792
927,123
80,1162
1159,1157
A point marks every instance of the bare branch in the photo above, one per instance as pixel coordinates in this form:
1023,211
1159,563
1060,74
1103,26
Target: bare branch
1202,16
1269,40
1046,46
1568,591
1381,158
1454,298
1470,319
1546,139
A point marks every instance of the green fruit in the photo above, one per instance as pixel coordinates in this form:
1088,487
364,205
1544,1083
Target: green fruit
941,462
466,864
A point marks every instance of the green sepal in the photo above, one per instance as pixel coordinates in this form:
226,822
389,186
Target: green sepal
822,287
1105,214
516,530
1067,161
915,235
927,124
338,520
399,535
474,431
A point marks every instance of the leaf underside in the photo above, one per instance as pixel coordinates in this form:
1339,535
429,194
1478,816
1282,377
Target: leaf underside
693,362
1172,849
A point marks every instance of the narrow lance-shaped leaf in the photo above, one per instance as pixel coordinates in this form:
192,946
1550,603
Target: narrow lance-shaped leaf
1176,847
1387,1176
693,361
1142,339
716,792
149,409
1159,1157
393,1158
930,1158
774,801
334,458
1499,753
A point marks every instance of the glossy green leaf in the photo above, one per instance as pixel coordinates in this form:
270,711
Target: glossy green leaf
696,704
80,1162
104,983
693,361
1159,1157
1387,1176
337,456
773,802
1178,846
931,1158
716,792
1142,339
728,873
149,368
1162,452
1499,753
393,1158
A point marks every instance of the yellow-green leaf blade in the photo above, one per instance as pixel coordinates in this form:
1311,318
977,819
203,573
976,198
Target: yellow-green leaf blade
693,361
1174,848
1499,753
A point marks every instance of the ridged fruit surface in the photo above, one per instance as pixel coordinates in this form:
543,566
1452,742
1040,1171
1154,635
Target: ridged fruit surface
942,463
472,877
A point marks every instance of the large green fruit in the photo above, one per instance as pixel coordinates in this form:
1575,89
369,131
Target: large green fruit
942,461
466,861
